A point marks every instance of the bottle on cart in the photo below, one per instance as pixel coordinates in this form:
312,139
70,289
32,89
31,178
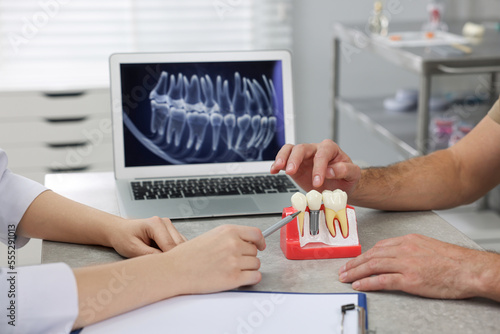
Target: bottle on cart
378,23
435,10
441,129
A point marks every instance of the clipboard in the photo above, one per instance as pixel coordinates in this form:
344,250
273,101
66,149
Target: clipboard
242,312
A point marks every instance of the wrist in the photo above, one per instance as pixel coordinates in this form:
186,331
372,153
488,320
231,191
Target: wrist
173,281
183,271
487,282
109,228
363,193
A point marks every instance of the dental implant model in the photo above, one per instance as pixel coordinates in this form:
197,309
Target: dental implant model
314,236
314,202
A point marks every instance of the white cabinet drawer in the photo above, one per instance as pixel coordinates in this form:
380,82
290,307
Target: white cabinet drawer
93,128
56,131
56,159
38,175
54,106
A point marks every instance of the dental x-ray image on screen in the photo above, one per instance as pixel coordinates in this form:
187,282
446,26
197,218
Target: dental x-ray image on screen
197,113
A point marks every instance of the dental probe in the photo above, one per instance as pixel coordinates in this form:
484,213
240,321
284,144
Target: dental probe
280,224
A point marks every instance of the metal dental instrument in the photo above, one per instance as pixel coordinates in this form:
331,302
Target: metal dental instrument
280,224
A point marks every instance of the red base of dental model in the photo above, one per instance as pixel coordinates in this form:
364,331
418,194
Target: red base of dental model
290,243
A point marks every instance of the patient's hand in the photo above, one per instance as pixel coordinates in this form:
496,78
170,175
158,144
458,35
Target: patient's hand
145,236
318,166
426,267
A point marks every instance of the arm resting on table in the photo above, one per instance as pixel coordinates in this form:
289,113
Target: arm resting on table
458,175
54,217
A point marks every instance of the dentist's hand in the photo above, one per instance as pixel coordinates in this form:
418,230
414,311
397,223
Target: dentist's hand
132,238
318,166
221,259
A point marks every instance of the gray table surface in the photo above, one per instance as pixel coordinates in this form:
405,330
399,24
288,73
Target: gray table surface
388,312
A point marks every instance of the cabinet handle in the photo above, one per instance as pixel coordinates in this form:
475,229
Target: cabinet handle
68,170
65,119
468,70
63,94
73,144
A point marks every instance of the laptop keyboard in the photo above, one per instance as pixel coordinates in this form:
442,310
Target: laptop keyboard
201,187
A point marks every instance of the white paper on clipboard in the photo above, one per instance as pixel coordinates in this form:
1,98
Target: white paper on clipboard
239,312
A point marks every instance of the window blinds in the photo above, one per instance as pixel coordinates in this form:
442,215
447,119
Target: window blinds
53,42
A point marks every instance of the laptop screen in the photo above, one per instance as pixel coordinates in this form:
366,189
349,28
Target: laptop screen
184,113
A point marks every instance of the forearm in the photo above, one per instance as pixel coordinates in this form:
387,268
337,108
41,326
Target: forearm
458,175
221,259
422,183
54,217
111,289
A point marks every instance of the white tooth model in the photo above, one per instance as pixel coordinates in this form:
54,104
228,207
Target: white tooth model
299,203
314,203
329,213
335,207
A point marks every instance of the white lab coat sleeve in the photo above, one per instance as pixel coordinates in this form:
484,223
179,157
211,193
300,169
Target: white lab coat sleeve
16,195
38,299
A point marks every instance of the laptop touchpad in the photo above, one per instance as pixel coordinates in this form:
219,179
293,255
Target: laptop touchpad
230,205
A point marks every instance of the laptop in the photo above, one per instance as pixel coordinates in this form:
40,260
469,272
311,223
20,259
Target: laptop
195,134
